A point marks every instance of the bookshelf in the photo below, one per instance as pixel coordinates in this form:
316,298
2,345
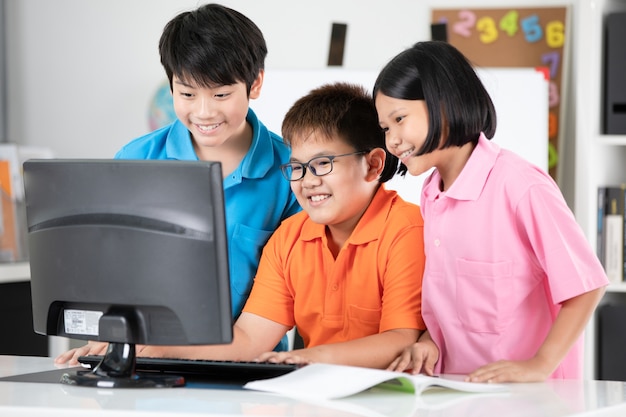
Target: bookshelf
599,159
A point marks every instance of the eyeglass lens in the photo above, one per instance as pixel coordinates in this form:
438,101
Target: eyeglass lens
319,166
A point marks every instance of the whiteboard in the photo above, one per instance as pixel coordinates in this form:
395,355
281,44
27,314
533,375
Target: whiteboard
520,96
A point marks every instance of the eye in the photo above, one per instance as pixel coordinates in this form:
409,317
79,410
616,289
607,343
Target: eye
399,119
222,95
322,162
384,129
296,167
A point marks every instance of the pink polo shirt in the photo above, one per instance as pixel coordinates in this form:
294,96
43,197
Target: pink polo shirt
503,250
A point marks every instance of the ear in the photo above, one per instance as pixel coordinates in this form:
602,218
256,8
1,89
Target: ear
376,162
255,88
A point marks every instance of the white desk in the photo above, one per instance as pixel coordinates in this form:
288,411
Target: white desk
551,399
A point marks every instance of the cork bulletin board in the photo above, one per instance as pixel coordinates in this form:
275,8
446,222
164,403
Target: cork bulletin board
516,37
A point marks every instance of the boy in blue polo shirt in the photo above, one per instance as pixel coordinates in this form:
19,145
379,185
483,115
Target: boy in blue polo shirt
214,59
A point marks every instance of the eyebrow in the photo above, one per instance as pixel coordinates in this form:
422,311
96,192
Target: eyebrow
183,83
395,111
317,155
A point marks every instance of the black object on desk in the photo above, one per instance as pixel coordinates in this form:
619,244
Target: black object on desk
205,370
128,252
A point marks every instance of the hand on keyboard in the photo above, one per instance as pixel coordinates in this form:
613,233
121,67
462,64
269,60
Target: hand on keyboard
283,357
71,356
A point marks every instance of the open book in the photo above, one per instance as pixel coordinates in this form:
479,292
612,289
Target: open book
325,381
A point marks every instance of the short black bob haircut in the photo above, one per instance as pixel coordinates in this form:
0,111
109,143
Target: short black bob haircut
459,106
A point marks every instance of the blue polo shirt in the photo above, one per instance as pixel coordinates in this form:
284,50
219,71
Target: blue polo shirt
257,197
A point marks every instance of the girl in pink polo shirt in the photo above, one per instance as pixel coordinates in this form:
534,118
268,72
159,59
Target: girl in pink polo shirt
510,279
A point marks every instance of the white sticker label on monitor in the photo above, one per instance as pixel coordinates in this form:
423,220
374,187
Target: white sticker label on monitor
83,322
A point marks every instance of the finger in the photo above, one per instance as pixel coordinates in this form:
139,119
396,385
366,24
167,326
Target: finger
486,373
429,365
98,349
403,362
393,365
417,364
265,357
74,354
64,357
71,356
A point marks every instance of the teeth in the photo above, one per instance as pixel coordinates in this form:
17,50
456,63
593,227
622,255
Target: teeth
207,128
316,198
406,153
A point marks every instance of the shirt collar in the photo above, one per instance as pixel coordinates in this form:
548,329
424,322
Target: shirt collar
471,181
255,164
182,147
261,157
369,226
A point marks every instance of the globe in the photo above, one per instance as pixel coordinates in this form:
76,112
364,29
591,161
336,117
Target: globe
161,110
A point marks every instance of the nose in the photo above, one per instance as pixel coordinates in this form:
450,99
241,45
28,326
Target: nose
309,180
392,139
204,106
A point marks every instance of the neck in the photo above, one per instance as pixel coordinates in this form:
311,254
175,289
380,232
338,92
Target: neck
455,159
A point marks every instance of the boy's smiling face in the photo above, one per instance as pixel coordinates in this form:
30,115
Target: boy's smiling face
339,198
213,115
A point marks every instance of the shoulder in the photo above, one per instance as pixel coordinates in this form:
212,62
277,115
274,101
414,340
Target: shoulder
516,175
524,190
147,146
401,211
293,224
288,233
387,217
260,131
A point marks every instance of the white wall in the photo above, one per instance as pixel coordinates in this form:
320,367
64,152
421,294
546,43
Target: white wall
81,73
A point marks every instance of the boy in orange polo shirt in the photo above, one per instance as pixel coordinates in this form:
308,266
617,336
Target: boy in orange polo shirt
347,271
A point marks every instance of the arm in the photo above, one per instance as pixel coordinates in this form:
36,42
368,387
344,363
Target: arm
374,351
567,328
252,335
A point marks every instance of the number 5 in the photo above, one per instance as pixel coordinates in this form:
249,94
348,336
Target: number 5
531,28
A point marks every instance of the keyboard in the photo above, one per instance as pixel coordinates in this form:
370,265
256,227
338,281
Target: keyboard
203,369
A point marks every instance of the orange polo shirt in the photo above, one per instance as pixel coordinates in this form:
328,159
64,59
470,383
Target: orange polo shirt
373,285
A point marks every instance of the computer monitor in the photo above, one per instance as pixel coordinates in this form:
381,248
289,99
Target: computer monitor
128,252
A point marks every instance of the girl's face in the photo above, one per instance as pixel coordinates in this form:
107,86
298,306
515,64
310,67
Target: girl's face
405,123
337,199
213,115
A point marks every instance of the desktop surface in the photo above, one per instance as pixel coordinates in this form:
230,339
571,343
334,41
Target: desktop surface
551,398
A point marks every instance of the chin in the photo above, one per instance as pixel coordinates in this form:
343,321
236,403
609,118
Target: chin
317,218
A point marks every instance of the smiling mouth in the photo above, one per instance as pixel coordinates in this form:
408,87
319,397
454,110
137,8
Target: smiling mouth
207,128
406,153
318,198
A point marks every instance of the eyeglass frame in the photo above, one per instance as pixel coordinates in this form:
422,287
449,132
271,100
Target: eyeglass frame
306,165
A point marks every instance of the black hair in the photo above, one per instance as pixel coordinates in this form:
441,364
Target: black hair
339,110
212,46
459,106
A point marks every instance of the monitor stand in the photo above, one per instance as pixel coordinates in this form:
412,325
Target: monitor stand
117,370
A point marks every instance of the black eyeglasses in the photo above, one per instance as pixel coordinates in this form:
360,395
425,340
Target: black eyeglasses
319,166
